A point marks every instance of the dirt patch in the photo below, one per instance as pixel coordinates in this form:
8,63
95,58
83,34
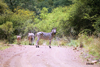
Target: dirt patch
30,56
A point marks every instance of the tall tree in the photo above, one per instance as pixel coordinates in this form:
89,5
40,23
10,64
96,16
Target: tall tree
83,14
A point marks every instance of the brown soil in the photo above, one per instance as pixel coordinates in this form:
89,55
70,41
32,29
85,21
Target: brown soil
30,56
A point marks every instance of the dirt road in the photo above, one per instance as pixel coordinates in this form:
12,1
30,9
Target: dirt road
30,56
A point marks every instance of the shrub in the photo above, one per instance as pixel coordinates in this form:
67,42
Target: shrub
90,44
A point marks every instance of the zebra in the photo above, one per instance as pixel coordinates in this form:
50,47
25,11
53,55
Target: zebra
45,36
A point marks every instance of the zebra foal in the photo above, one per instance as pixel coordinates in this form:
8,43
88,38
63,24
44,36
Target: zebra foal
31,38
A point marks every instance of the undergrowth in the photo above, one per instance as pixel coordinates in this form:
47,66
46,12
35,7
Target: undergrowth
91,44
3,44
55,41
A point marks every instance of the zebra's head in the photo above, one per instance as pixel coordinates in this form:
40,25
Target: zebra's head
54,30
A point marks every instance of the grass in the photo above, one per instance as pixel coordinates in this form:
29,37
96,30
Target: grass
94,47
3,44
55,41
73,43
3,47
91,44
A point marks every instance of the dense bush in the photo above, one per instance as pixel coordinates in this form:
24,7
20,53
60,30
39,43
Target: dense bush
16,23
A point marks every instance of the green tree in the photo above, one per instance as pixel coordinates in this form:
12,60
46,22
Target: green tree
83,14
12,4
7,28
3,6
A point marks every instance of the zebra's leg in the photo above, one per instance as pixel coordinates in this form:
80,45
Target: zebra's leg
20,41
50,44
29,40
37,43
17,41
32,40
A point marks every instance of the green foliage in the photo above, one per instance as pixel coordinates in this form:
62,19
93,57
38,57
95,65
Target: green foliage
76,18
44,13
3,6
3,45
86,32
74,43
62,3
25,21
23,18
35,5
7,27
96,25
82,15
12,24
12,4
